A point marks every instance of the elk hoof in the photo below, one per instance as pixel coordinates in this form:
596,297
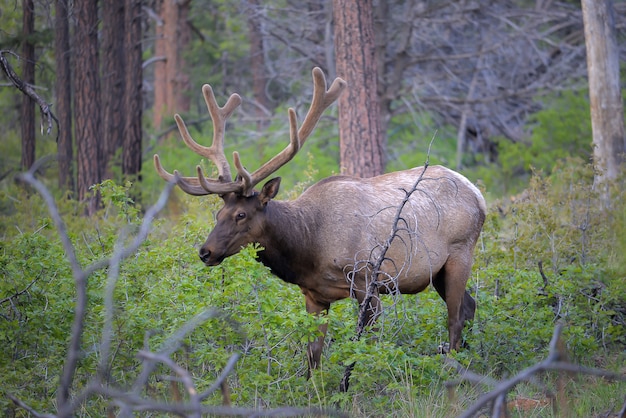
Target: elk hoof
444,348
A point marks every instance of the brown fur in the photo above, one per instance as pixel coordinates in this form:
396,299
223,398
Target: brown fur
324,240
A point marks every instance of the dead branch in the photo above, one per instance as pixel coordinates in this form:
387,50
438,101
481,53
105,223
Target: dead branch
376,273
46,112
556,360
19,292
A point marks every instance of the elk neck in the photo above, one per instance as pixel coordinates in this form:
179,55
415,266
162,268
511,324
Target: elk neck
288,240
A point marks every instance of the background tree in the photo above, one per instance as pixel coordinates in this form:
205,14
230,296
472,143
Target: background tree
362,147
133,97
113,77
430,54
607,111
63,92
263,105
28,76
171,80
87,102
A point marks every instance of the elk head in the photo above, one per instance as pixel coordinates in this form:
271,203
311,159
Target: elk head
238,222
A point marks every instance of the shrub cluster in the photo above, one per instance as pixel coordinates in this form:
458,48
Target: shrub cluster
552,255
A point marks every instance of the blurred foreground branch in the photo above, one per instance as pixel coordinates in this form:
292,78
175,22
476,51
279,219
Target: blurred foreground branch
557,360
132,400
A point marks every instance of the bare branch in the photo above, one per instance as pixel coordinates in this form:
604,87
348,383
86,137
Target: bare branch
28,408
46,112
19,292
376,273
554,361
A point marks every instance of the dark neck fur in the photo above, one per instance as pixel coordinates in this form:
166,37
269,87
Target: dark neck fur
286,241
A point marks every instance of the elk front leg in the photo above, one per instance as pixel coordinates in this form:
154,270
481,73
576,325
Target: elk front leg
314,350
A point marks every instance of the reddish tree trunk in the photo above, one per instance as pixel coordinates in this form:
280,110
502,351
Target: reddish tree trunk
171,82
63,88
257,66
113,77
362,149
28,76
131,153
87,94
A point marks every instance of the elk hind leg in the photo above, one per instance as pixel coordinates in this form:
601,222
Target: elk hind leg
450,283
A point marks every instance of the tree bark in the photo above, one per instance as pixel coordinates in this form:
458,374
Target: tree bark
113,78
171,82
362,144
87,102
63,89
28,76
607,113
263,105
131,153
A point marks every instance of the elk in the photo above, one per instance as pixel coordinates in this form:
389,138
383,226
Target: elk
324,240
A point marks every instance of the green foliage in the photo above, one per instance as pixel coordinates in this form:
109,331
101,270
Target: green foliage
397,373
409,142
562,129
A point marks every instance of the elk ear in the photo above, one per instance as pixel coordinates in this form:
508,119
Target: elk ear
269,191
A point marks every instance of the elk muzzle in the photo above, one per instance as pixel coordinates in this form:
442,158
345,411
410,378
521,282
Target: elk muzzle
209,257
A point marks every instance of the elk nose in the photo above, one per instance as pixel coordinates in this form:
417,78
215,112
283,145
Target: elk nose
204,254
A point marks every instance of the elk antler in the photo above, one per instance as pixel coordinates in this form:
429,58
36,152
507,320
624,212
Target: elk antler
245,182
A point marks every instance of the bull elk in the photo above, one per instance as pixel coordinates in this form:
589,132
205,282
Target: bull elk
324,240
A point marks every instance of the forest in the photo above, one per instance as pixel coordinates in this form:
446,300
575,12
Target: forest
106,308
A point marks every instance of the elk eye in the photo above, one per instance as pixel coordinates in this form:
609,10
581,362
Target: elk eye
241,215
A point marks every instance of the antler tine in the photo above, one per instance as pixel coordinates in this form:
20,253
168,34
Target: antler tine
196,186
218,115
322,98
201,185
189,185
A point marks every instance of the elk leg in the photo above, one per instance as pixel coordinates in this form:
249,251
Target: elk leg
314,350
450,283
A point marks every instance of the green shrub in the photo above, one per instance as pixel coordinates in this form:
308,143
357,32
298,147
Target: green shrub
164,285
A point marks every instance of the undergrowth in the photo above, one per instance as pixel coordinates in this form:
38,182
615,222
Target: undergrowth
554,255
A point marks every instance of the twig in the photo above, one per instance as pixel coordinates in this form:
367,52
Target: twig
28,408
184,375
80,278
622,412
20,292
222,377
131,401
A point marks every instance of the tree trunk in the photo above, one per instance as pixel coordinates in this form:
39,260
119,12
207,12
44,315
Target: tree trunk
362,144
263,105
63,90
131,154
28,76
113,78
171,82
87,101
607,113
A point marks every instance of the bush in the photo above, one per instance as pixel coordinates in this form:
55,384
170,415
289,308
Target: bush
164,285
